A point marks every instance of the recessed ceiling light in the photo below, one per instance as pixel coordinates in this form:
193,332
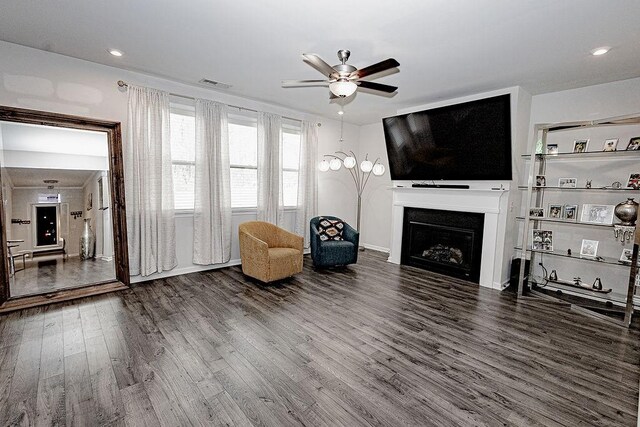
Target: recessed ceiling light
600,51
115,52
341,112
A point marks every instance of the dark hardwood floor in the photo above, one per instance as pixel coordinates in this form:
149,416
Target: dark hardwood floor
372,344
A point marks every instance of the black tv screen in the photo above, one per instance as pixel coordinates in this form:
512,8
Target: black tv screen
468,141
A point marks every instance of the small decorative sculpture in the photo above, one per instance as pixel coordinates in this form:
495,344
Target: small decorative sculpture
553,275
597,284
588,184
577,281
616,185
569,252
623,232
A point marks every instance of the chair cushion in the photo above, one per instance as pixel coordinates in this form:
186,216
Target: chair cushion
282,254
330,229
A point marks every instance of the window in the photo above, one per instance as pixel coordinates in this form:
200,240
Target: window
183,157
290,164
243,159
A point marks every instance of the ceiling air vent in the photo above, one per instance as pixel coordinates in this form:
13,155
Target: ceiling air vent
213,83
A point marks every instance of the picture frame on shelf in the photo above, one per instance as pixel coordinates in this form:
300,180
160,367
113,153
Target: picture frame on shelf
552,149
541,181
568,182
589,248
580,145
542,240
626,256
634,181
610,144
536,212
555,211
634,144
570,212
597,214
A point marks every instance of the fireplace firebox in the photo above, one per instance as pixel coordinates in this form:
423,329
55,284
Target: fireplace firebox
447,242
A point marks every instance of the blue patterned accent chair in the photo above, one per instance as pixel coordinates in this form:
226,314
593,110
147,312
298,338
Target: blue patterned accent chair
333,242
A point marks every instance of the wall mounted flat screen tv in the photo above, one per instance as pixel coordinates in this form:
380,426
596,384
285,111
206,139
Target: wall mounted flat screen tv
468,141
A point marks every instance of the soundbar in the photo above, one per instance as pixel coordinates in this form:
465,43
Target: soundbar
462,186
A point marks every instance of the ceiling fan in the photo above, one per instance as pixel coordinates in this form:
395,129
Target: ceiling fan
344,79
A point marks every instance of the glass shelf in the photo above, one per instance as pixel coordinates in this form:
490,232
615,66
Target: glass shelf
616,155
535,187
609,296
566,221
563,254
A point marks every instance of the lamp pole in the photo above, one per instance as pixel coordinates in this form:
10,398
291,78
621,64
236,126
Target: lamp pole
360,175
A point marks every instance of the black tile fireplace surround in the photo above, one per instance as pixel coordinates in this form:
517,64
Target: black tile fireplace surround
445,242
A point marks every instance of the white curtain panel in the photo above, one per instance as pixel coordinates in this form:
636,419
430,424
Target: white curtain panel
149,183
269,168
307,180
212,211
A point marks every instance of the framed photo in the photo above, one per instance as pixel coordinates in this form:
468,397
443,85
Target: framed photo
552,149
541,181
597,214
570,212
555,211
568,182
634,144
90,202
589,248
626,255
634,180
580,145
536,212
610,145
542,240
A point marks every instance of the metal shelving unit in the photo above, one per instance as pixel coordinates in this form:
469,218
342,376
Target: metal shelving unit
535,198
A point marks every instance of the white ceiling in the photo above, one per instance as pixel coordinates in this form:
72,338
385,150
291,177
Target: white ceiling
446,48
34,177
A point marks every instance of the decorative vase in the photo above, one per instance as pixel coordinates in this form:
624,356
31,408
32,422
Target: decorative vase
627,212
87,241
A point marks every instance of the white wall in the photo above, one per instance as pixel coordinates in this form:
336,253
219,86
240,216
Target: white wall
45,81
376,199
21,208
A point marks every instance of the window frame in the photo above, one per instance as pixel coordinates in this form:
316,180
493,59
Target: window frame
296,129
244,118
185,110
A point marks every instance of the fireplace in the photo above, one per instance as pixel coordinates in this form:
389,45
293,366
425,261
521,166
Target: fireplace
447,242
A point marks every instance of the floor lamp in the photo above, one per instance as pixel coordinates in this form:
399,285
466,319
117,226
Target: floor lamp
360,175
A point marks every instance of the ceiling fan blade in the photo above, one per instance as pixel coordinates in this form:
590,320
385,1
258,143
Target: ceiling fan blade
377,86
316,62
375,68
304,83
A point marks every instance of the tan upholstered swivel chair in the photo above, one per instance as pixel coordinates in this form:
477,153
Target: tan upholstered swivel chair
268,252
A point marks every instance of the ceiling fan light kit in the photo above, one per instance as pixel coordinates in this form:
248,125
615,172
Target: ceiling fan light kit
345,79
343,88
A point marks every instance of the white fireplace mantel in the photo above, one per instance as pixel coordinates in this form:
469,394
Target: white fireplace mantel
488,201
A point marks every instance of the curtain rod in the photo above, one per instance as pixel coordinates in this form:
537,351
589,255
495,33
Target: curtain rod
124,84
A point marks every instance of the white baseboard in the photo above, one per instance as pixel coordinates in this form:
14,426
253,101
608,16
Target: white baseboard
184,270
376,248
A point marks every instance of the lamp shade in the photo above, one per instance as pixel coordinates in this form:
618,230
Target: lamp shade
378,169
343,88
349,162
366,166
335,164
323,166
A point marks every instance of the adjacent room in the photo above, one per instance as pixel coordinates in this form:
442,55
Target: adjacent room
287,213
